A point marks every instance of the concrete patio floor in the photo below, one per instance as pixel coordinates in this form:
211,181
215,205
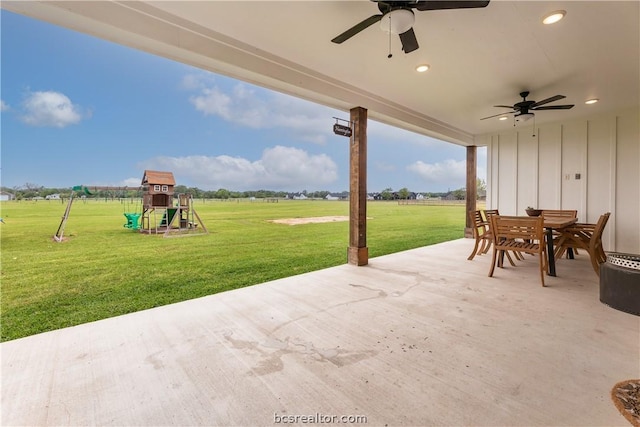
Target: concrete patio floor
421,337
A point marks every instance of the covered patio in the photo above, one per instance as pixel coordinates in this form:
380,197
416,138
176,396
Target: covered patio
421,337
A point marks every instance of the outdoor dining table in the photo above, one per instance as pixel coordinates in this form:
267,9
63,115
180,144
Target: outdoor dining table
550,224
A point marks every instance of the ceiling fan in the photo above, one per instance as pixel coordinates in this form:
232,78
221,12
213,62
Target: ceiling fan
397,17
523,109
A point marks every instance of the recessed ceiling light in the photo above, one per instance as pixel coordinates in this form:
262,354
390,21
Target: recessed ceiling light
503,118
591,101
422,68
554,17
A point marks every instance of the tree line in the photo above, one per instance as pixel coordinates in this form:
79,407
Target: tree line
31,191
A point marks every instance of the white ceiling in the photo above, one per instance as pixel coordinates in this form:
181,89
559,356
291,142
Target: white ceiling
479,57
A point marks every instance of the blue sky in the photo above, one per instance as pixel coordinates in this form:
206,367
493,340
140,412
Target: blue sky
80,110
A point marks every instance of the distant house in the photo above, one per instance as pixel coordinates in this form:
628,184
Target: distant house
296,196
5,196
53,197
332,197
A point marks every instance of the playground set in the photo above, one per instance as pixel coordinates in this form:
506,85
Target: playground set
161,212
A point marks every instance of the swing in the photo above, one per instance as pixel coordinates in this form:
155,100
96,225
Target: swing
133,218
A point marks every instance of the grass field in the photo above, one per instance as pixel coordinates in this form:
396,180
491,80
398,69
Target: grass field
105,270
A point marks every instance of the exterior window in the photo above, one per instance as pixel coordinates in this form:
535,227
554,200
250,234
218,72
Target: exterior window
165,188
156,188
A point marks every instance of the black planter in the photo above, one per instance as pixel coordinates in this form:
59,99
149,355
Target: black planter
620,282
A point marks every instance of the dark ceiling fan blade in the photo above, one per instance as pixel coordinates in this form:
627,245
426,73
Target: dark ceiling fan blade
554,107
357,28
452,4
496,115
409,41
504,106
546,101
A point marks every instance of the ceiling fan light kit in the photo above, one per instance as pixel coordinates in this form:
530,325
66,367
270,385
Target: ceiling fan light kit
523,117
397,21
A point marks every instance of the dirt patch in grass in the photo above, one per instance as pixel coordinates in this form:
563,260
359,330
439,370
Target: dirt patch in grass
310,220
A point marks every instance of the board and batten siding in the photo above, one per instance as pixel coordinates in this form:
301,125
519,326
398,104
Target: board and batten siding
541,170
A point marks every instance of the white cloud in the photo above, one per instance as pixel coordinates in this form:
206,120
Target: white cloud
256,108
131,182
3,106
285,168
50,109
450,173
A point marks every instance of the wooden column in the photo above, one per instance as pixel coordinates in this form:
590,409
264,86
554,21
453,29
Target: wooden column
472,188
358,253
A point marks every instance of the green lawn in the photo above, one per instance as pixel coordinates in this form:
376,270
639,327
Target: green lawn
105,270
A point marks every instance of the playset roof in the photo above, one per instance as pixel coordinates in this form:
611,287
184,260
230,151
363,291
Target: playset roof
157,177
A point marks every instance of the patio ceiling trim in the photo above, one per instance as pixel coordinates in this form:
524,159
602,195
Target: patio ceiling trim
143,26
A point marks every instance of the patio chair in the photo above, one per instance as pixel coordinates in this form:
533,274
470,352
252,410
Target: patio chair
562,213
481,234
559,213
519,234
487,213
587,237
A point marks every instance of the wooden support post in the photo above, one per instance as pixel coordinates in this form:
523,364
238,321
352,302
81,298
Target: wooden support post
472,188
358,253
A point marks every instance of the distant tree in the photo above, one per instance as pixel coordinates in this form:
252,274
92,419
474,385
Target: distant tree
460,193
222,194
403,193
387,194
31,186
180,189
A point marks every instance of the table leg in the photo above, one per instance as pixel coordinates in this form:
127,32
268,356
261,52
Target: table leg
550,257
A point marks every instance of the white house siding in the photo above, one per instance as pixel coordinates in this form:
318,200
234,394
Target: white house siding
527,170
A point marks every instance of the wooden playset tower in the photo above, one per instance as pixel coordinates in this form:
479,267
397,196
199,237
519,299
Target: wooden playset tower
161,214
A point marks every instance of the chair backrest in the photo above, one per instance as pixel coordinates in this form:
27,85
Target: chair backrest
596,238
517,227
489,212
559,213
478,223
